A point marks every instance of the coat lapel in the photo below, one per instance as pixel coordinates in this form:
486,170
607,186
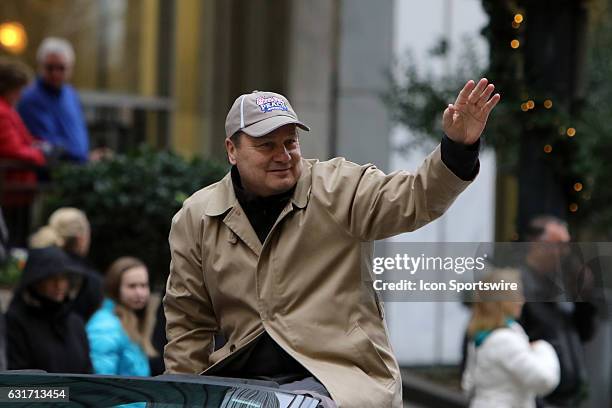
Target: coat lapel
237,221
224,202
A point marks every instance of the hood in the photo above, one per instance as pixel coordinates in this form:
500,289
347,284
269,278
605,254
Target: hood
46,262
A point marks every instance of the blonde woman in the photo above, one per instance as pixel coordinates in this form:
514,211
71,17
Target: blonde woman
68,228
503,369
120,332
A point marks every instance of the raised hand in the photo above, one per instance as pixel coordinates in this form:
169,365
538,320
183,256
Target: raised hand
465,120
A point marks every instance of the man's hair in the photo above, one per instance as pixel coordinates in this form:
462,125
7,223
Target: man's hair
13,75
235,138
55,45
537,226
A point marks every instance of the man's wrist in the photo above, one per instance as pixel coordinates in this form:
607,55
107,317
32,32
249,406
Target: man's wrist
461,159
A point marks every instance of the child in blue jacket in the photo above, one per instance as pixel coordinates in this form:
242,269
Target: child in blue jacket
120,331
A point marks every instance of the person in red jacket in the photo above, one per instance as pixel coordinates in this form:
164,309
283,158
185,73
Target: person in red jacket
18,151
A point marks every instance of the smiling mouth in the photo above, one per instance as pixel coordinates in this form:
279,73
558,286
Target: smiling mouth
279,170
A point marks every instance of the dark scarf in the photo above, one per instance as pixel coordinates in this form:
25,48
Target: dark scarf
262,212
264,359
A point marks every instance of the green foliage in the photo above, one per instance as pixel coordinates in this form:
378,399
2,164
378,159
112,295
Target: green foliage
593,139
10,271
417,99
130,200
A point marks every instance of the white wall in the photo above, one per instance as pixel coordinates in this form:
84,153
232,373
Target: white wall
429,333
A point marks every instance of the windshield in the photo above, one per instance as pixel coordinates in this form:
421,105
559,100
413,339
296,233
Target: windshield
43,389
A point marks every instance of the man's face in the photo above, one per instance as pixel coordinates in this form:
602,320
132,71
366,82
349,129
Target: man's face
55,70
270,164
552,247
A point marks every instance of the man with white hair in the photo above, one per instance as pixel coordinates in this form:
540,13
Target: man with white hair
50,107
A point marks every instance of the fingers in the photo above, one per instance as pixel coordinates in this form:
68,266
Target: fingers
478,91
478,95
465,92
484,97
447,117
491,103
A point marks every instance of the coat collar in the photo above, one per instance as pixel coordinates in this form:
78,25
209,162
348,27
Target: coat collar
223,197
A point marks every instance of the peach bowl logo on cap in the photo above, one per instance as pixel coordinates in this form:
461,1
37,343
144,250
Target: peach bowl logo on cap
270,103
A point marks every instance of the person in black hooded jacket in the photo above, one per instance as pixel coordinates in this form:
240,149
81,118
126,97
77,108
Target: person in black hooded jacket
69,229
43,330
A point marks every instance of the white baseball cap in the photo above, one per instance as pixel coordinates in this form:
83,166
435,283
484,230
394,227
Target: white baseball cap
260,113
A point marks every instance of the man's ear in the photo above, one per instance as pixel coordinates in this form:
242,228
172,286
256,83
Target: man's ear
231,151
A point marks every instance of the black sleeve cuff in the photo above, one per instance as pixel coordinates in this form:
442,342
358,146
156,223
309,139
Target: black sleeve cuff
460,159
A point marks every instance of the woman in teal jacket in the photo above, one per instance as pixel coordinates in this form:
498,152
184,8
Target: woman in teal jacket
120,331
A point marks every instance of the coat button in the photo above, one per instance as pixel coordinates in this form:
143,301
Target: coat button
232,348
232,239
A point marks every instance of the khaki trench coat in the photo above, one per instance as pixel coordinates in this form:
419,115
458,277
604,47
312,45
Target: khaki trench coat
303,285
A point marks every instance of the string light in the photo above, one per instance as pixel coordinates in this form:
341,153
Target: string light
578,187
548,104
547,149
571,132
530,104
515,44
515,24
524,107
518,18
573,207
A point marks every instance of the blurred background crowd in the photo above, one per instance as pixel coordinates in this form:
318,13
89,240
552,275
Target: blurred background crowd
112,113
